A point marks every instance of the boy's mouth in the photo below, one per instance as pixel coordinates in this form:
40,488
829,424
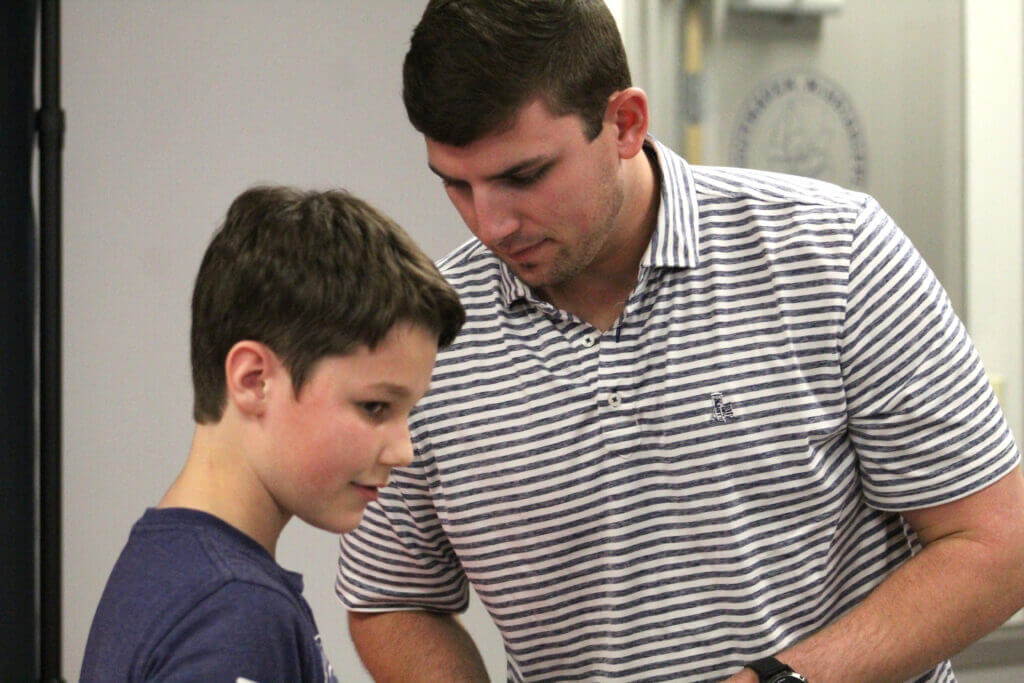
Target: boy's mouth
368,492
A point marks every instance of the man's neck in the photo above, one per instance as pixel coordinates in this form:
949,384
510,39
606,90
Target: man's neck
599,294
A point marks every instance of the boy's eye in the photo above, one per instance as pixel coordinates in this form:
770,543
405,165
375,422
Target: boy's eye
374,408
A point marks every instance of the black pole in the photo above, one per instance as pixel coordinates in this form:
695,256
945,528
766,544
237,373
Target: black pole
50,124
19,586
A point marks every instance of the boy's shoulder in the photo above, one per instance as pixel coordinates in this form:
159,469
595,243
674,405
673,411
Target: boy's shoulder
189,550
190,588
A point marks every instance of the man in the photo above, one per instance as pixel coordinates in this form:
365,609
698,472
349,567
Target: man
701,424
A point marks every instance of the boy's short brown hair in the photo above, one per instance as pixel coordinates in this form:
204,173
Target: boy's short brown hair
310,274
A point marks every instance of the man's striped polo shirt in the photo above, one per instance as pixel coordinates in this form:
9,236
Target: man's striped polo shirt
713,478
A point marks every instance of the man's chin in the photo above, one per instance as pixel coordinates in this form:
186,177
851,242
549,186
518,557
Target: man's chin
530,273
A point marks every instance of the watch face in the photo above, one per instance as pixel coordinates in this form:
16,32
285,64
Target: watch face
788,677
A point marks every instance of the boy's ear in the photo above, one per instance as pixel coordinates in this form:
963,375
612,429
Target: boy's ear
627,111
248,369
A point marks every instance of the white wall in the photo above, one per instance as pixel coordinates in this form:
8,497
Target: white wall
898,65
994,180
994,216
173,108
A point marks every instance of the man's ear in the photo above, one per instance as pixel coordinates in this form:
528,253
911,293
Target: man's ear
627,111
248,369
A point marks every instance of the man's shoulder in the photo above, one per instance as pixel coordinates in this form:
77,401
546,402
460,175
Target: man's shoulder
485,287
713,184
483,284
468,262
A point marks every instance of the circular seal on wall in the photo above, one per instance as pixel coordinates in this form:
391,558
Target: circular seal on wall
802,123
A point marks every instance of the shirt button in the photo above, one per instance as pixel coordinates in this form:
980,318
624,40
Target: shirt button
614,400
588,340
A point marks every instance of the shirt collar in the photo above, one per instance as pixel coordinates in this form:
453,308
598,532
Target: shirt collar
512,288
674,243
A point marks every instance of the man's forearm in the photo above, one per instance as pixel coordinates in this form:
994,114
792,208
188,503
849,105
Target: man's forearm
960,587
416,646
930,609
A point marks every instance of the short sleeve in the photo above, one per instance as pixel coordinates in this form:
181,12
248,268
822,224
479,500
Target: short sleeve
922,414
242,631
399,557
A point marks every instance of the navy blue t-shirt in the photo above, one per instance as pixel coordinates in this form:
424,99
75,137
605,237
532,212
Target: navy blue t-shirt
192,598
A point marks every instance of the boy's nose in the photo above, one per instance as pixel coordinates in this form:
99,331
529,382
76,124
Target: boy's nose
398,449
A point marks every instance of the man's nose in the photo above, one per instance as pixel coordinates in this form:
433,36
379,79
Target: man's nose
496,217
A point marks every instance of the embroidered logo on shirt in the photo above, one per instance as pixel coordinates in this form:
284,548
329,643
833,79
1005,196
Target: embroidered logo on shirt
721,410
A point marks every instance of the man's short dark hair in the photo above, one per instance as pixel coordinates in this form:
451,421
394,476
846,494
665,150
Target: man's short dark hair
472,64
310,274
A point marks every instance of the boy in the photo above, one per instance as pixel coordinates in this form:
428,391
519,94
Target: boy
315,323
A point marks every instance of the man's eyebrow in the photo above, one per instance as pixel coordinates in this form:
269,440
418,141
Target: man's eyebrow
511,171
526,164
442,176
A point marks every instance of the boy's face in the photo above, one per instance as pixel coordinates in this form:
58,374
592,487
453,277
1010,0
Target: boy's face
330,449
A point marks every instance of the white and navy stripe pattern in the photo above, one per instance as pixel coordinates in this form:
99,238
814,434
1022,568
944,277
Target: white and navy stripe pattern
711,479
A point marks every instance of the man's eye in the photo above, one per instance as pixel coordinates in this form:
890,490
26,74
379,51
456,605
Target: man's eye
453,184
526,179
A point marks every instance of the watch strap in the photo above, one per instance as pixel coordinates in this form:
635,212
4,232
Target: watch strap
768,667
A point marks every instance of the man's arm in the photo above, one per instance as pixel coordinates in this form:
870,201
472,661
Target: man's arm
416,647
968,579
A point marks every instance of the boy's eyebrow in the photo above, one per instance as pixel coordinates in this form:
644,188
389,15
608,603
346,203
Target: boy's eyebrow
505,174
396,390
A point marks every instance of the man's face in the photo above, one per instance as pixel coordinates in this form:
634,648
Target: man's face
331,448
540,195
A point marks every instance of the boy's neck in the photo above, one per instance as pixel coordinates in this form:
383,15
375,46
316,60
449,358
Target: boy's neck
217,479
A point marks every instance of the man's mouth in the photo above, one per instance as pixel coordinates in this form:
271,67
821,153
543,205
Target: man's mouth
526,253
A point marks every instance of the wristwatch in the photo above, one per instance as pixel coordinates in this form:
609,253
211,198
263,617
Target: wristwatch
771,670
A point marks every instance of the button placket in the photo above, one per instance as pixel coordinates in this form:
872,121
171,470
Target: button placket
614,393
